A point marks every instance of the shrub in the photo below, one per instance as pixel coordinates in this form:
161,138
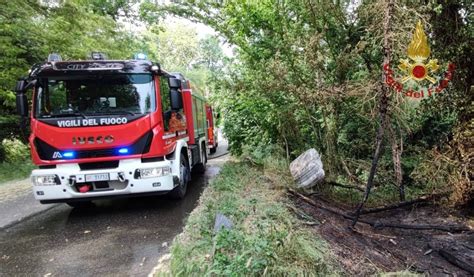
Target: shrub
15,150
258,154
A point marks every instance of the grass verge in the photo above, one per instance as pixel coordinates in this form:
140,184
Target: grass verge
15,170
266,238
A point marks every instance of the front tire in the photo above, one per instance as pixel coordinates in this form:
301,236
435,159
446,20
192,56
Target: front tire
201,167
180,191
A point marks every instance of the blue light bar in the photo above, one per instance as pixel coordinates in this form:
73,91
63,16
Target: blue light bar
123,150
140,56
54,57
69,155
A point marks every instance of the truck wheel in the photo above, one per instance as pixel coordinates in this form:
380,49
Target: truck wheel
180,191
201,167
213,150
80,204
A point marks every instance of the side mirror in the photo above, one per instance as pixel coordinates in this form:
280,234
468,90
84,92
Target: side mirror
174,83
20,86
22,104
176,99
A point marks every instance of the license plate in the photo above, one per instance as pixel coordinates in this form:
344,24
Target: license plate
97,177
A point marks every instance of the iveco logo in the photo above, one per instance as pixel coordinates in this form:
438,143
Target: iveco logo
92,140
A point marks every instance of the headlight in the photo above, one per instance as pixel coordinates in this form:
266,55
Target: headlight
144,173
46,180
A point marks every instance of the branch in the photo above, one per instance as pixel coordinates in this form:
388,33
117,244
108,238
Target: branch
423,199
378,224
456,261
383,105
348,172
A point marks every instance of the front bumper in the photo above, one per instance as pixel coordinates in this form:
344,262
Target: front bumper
127,185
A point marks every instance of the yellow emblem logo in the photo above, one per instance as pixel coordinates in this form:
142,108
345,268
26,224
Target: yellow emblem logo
418,52
418,68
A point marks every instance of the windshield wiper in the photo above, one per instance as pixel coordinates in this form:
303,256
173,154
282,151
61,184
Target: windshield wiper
66,115
116,112
81,114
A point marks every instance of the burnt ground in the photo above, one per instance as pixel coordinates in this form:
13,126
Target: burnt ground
367,250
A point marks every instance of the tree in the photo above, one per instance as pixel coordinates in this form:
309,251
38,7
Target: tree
306,73
30,30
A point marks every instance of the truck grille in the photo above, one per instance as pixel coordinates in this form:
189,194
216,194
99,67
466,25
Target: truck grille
99,165
140,146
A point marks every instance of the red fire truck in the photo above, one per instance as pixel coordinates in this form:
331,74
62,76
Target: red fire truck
105,128
212,133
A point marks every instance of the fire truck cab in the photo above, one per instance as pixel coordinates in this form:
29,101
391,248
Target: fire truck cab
108,128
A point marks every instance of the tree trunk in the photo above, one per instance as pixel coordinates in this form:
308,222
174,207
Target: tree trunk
397,150
383,104
330,138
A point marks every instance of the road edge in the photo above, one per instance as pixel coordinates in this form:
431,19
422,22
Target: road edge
27,217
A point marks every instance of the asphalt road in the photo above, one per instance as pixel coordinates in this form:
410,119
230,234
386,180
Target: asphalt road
116,237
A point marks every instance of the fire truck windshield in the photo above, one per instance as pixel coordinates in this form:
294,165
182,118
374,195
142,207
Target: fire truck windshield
75,95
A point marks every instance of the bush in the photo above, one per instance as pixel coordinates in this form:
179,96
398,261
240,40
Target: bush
15,150
258,154
15,171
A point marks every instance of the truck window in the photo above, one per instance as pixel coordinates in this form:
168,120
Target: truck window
199,116
173,120
95,95
165,101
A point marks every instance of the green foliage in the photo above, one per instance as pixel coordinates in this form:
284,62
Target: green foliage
9,126
16,156
306,74
30,30
177,47
111,8
15,150
260,153
265,237
15,170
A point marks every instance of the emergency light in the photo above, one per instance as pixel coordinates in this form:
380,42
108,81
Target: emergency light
98,56
123,150
140,56
54,57
69,154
